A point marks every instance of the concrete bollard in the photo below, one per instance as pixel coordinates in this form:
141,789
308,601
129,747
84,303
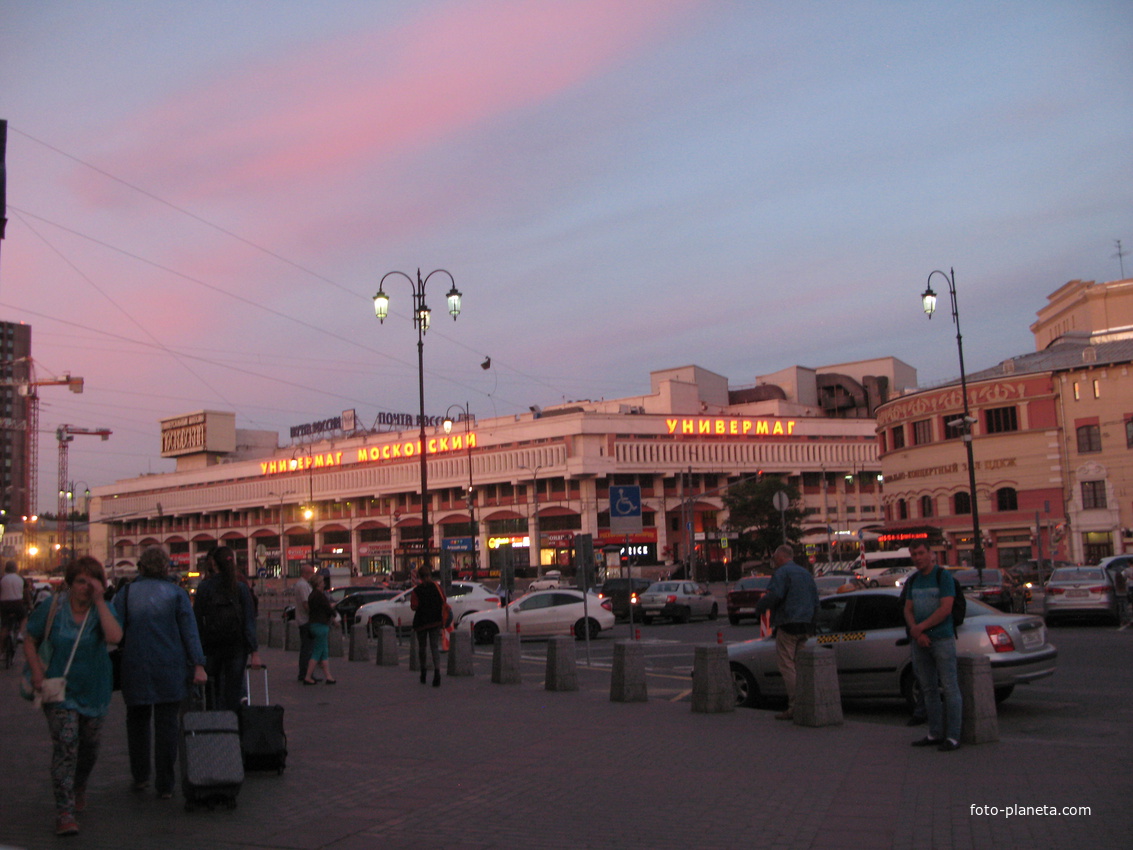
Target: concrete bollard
460,653
276,628
505,660
291,637
335,642
818,700
359,646
263,630
387,647
562,669
627,683
712,688
980,724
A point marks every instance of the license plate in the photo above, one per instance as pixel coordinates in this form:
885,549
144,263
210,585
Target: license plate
1077,594
1032,639
745,610
655,611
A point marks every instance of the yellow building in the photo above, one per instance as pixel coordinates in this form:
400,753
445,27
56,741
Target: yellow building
1052,442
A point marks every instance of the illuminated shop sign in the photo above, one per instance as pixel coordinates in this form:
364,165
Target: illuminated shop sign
369,454
497,542
709,426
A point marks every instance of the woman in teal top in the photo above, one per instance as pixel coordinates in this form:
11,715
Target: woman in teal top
75,723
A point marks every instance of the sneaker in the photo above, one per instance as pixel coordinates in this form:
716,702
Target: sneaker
66,825
948,745
928,741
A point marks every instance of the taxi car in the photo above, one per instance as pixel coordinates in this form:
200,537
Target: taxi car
866,632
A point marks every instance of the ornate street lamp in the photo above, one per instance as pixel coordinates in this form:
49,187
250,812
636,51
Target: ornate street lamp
471,492
533,529
928,300
421,317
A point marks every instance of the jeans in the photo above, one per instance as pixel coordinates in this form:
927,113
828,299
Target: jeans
166,724
935,667
305,640
75,739
225,686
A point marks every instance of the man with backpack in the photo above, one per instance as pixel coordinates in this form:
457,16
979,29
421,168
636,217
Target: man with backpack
929,603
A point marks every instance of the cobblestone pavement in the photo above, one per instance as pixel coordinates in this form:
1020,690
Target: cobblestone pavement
378,761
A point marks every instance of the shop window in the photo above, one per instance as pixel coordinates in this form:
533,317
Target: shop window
1006,499
922,432
1089,439
962,504
1093,494
926,506
1000,420
899,437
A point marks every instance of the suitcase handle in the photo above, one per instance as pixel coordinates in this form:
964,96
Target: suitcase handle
248,683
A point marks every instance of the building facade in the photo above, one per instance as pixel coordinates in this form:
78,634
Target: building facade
543,476
1052,443
15,367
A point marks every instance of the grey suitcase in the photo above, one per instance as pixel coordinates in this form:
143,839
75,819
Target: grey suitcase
212,766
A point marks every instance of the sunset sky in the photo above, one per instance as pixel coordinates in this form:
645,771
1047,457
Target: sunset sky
202,197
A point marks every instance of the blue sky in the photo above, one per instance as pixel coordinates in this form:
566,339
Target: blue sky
202,197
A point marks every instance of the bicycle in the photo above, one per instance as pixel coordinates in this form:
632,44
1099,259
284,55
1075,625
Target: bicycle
9,650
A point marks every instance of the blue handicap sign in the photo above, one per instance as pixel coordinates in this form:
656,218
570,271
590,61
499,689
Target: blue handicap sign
625,501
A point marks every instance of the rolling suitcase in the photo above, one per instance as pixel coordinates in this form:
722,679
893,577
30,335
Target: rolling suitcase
212,769
262,739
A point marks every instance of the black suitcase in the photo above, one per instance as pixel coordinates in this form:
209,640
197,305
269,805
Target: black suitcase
212,769
262,739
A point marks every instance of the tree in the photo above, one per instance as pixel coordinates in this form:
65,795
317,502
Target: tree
752,512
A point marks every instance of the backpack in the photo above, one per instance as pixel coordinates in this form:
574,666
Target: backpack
959,603
221,621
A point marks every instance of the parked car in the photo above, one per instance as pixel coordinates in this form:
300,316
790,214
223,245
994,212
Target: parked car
743,598
893,577
1116,565
624,594
1081,591
866,632
561,611
877,563
828,585
550,580
1034,573
464,597
998,588
336,595
348,606
680,601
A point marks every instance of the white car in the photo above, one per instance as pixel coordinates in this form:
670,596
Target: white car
544,613
464,597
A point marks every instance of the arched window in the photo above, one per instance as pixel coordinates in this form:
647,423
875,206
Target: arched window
926,506
961,504
902,509
1006,499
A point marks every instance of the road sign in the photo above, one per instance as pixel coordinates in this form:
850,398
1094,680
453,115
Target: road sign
780,500
625,510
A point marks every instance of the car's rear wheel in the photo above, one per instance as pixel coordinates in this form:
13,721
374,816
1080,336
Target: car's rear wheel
377,622
735,621
647,621
1003,692
747,691
873,582
581,627
714,613
485,632
684,616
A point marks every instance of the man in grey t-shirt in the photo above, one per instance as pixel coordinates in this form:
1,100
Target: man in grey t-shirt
302,590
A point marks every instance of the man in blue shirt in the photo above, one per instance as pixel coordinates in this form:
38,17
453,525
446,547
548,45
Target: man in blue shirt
792,597
928,614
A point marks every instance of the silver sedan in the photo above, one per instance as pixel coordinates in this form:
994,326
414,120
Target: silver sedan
1080,591
680,601
866,632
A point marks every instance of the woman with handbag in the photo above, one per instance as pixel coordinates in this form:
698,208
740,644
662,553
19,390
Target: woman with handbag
70,673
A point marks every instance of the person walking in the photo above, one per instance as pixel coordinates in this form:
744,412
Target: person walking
301,591
932,636
321,615
161,653
428,603
13,602
792,598
79,655
226,622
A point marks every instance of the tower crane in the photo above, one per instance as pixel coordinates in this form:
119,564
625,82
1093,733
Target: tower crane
66,434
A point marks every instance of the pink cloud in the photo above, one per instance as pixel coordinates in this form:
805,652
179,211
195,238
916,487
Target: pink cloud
376,96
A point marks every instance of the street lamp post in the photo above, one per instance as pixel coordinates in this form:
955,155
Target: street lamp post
282,556
533,531
471,491
421,316
309,511
928,300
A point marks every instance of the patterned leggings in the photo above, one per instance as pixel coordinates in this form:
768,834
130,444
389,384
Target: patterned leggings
75,739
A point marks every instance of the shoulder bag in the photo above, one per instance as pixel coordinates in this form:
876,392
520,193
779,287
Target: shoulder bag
46,652
55,688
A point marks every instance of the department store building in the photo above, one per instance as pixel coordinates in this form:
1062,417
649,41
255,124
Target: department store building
354,496
1052,443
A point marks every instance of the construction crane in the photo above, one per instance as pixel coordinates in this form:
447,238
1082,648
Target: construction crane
66,434
28,388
